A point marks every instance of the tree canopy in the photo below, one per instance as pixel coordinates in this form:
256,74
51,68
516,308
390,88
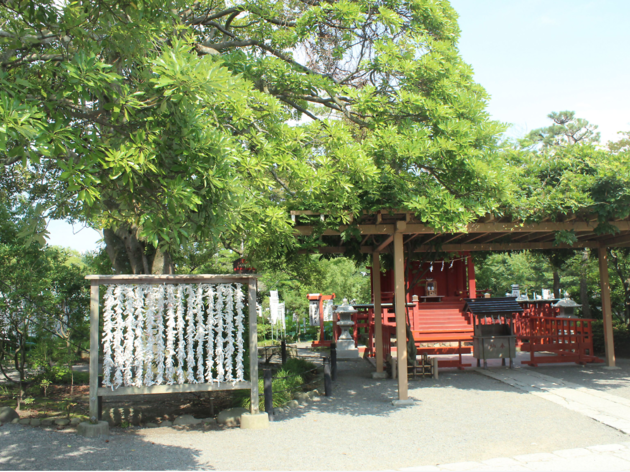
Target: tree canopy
166,121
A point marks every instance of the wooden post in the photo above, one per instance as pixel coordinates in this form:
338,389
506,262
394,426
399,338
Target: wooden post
472,282
321,319
378,316
606,308
401,323
253,347
94,344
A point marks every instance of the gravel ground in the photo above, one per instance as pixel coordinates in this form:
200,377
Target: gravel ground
463,416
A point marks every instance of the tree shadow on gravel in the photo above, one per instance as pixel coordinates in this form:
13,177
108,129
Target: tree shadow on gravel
596,376
31,448
355,393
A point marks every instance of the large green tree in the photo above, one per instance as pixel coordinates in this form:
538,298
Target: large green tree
163,122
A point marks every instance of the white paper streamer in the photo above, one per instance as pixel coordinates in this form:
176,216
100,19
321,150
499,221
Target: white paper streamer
238,298
228,315
170,334
119,327
139,352
200,335
186,333
210,333
128,359
108,335
181,342
219,340
190,334
159,321
149,347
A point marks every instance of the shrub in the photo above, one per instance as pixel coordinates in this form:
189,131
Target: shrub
621,335
286,382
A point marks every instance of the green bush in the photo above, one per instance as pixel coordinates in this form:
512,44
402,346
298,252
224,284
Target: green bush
621,335
298,366
286,383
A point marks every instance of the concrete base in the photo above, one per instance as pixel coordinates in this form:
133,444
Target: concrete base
90,430
612,367
258,421
349,354
379,375
407,402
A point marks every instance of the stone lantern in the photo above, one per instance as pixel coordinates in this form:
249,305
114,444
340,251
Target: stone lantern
567,307
345,344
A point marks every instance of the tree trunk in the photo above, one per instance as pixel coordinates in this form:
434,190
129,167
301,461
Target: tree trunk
556,284
129,254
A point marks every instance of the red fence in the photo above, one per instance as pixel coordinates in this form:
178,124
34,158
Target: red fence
569,339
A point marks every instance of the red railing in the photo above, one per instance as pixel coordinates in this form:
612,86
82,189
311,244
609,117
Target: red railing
568,339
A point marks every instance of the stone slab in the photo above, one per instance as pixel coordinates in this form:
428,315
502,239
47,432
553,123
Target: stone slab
8,414
572,453
258,421
186,420
407,402
231,416
349,354
607,448
379,375
536,457
89,430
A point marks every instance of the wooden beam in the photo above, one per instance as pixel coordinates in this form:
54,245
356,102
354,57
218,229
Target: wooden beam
475,228
435,236
525,236
168,279
506,246
469,240
465,247
252,290
606,307
94,348
177,388
384,244
378,316
401,323
624,238
457,236
493,237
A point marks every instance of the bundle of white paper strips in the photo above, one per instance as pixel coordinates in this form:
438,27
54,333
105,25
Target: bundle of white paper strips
167,334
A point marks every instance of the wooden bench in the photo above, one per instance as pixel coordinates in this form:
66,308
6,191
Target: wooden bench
458,336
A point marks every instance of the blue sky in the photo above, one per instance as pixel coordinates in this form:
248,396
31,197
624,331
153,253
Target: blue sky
533,57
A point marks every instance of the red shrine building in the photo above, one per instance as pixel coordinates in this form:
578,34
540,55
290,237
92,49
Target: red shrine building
437,294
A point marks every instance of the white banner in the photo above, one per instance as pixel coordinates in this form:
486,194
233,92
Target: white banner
313,312
281,315
328,310
273,306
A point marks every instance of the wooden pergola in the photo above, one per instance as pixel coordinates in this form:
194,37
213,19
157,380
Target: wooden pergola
387,231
